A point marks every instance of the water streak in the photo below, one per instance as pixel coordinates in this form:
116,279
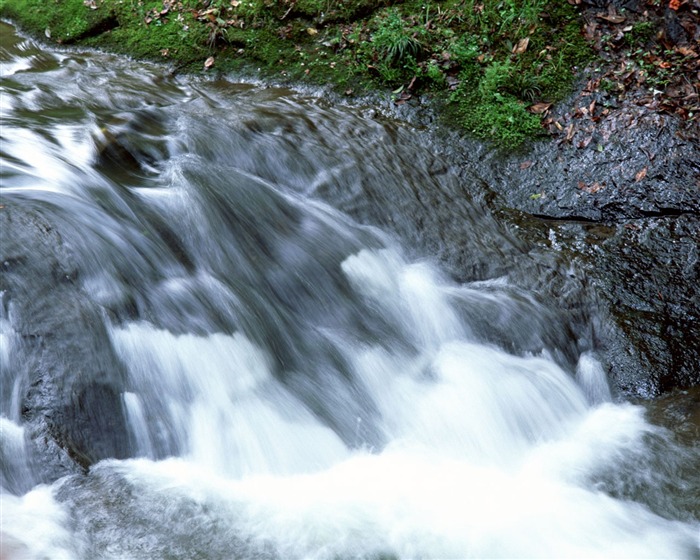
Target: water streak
281,380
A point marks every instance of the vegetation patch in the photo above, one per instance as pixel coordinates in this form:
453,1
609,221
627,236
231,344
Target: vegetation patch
495,63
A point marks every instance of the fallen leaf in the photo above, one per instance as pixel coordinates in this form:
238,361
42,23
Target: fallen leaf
521,47
209,62
585,142
539,108
311,31
525,165
612,18
592,189
640,175
674,4
569,132
686,51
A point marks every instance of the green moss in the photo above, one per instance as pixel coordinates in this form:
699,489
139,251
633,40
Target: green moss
61,20
468,52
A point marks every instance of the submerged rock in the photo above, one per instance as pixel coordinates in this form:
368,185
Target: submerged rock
69,385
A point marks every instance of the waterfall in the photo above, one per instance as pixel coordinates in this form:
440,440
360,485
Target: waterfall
201,358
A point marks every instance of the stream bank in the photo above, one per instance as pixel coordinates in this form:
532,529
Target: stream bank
619,193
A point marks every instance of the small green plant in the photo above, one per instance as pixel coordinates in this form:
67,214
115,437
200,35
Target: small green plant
641,33
489,59
394,43
434,73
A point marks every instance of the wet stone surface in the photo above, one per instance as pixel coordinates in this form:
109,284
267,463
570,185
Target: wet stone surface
619,200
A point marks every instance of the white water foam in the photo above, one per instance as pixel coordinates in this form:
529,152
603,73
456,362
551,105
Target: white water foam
218,392
488,453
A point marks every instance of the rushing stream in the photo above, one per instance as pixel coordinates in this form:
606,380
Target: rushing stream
203,357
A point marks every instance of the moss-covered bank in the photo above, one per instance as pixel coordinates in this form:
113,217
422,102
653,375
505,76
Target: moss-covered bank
496,63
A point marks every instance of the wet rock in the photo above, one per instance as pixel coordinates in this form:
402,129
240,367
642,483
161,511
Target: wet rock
641,183
69,383
679,411
184,527
603,227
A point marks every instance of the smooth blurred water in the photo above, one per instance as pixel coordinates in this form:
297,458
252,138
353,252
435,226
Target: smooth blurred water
297,384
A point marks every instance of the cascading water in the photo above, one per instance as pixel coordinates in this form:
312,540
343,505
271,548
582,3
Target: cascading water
242,371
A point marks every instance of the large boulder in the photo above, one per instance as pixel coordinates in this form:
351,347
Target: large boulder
69,384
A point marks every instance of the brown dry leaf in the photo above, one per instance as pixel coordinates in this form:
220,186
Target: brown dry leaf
521,47
612,18
585,142
686,51
674,4
209,62
569,132
589,31
525,165
594,188
539,108
640,175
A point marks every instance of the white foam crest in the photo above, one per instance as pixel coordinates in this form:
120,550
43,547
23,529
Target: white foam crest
7,334
590,375
15,473
599,439
34,527
51,163
417,505
9,403
470,401
223,403
412,294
